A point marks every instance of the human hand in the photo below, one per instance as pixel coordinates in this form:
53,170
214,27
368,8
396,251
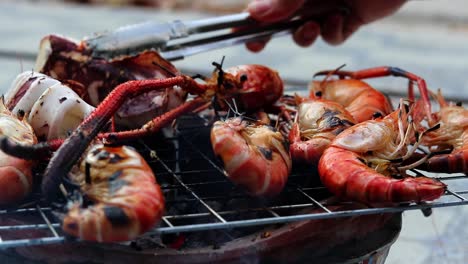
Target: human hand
335,28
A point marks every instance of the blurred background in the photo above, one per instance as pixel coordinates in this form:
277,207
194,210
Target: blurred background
428,38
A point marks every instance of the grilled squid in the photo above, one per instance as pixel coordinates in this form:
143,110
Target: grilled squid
53,109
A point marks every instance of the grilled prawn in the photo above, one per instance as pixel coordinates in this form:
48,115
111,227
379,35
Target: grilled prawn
317,123
359,98
361,161
253,154
126,200
450,134
236,83
16,176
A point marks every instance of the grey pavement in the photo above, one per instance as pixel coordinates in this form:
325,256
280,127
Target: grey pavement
428,38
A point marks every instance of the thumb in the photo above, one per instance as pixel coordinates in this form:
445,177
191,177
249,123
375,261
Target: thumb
273,10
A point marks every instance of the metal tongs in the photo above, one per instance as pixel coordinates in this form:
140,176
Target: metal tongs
178,39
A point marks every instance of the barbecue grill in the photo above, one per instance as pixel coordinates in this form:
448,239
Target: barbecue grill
197,191
206,214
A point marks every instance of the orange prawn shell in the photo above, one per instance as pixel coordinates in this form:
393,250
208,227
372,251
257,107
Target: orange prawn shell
127,199
15,173
344,174
254,156
453,133
318,123
262,87
344,171
358,97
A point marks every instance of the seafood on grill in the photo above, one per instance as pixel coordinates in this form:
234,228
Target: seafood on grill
239,83
254,155
119,196
448,132
68,60
52,108
36,107
122,197
352,101
360,99
360,163
251,87
317,123
16,175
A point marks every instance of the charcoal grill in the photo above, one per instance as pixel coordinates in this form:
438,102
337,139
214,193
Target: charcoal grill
200,198
201,201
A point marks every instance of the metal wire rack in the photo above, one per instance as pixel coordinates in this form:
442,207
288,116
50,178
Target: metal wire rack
200,198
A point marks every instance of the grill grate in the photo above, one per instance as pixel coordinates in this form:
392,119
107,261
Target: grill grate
200,198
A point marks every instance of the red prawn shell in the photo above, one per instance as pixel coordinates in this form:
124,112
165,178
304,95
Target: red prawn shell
262,87
254,156
358,97
16,176
344,170
452,134
346,176
318,122
15,180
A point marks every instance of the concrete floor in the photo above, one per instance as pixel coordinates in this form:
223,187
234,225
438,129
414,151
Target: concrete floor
428,38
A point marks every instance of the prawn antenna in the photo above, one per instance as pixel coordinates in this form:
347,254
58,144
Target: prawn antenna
219,68
216,106
330,73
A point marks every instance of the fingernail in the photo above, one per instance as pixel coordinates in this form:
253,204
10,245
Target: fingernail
259,7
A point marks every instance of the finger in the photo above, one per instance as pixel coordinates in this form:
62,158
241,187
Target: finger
273,10
332,30
257,46
350,26
307,34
